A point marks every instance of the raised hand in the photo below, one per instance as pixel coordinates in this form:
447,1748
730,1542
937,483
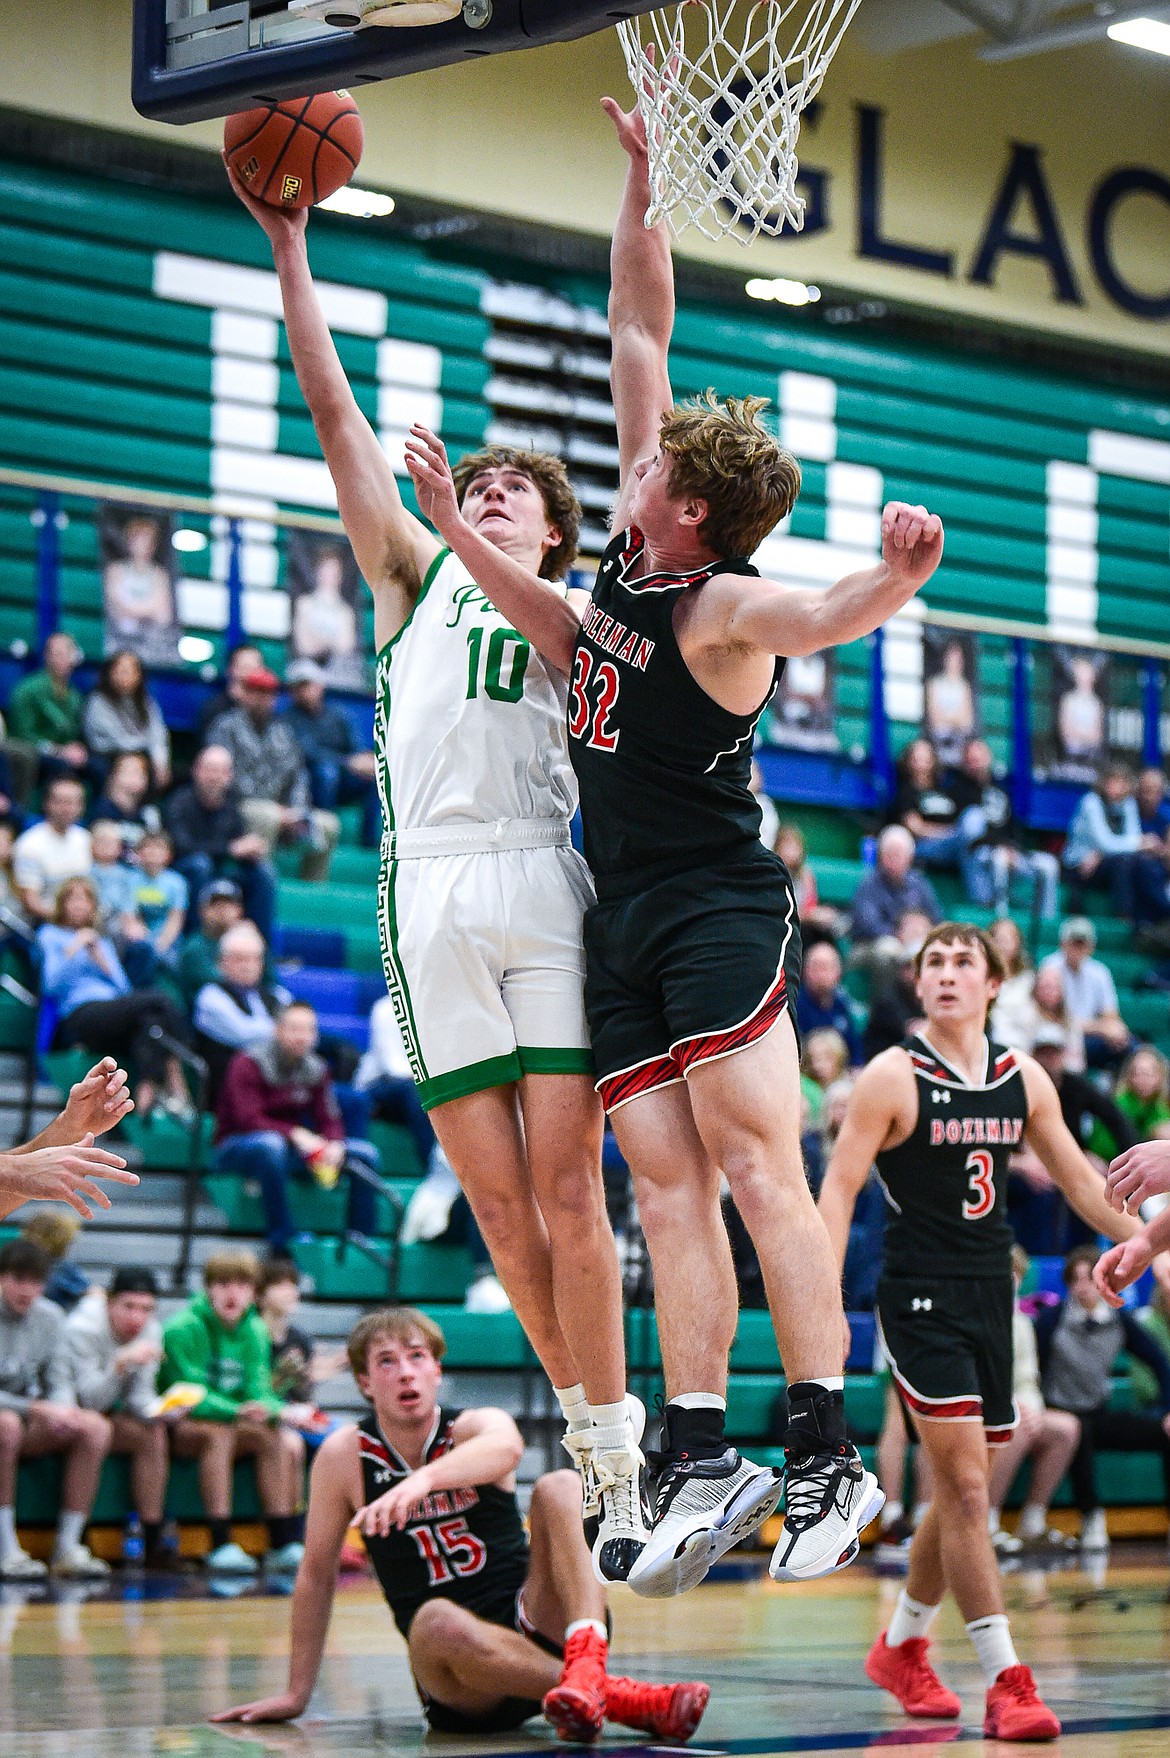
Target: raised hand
282,225
98,1101
912,541
430,471
629,127
1138,1174
64,1175
1122,1264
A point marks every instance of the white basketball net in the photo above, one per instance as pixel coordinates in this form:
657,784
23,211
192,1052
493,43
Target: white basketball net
721,85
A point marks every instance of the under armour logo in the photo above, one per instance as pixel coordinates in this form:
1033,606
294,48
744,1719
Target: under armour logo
917,1305
940,1096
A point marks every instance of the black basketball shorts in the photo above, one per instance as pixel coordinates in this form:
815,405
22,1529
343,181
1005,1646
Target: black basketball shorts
949,1345
688,970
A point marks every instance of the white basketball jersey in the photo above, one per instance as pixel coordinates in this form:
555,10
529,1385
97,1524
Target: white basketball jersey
469,720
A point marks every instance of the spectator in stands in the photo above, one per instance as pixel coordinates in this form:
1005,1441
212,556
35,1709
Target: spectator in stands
1081,1100
124,800
240,660
236,1009
825,1058
340,773
999,852
1079,1342
1142,1093
885,895
218,1342
44,712
295,1368
822,1002
1105,838
944,836
1053,1010
220,907
113,1345
53,851
1049,1438
384,1075
157,901
894,1008
13,927
1153,804
96,1005
54,1231
38,1416
112,878
122,715
212,841
817,921
271,776
278,1119
1014,1017
1090,994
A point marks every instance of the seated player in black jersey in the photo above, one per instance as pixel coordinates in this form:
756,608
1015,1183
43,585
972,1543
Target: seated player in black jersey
692,952
498,1625
940,1116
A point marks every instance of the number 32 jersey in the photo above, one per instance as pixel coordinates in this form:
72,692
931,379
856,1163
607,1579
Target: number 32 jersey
467,1545
946,1184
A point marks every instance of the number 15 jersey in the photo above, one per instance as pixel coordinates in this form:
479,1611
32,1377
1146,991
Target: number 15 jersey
946,1184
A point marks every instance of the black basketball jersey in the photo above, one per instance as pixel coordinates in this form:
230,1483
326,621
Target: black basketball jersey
467,1545
663,769
946,1185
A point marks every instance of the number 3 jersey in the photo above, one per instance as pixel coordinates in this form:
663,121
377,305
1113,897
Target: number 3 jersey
469,721
663,769
467,1545
946,1184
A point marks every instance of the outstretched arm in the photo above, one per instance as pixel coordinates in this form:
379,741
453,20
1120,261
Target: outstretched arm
488,1447
392,547
795,620
533,607
641,309
1066,1165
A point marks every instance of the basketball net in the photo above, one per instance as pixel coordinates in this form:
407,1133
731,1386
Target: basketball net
721,85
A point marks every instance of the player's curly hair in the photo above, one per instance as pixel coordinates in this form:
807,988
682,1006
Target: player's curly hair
556,491
722,453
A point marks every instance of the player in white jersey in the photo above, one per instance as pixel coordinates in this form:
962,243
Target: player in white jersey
481,895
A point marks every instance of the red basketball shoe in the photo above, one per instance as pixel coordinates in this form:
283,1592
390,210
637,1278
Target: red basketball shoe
669,1712
1014,1709
906,1673
576,1707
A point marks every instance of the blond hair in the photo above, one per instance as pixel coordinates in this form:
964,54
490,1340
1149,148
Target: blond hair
722,453
551,478
53,1231
233,1264
403,1323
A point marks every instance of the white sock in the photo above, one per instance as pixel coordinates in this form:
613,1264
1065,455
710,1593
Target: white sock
993,1645
833,1382
919,1514
8,1539
70,1527
612,1422
911,1618
892,1512
598,1629
1033,1521
574,1405
699,1401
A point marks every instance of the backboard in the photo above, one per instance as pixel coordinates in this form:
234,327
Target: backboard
197,58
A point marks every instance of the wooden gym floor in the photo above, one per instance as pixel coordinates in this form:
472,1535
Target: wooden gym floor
114,1676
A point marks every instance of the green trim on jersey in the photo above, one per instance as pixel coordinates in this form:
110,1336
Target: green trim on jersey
477,1077
546,1061
428,580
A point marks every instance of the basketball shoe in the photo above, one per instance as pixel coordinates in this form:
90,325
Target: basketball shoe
702,1507
906,1674
1015,1711
829,1496
576,1706
667,1712
614,1511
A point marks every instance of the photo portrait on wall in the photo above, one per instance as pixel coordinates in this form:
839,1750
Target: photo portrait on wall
138,583
324,588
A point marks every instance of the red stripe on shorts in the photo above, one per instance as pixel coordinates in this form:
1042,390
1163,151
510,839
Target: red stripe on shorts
712,1044
631,1083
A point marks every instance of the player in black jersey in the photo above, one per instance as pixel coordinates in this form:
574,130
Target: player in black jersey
940,1116
692,952
498,1626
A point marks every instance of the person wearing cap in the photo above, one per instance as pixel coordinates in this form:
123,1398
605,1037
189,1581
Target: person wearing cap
220,905
237,661
1041,1214
339,773
1090,994
212,841
112,1345
271,776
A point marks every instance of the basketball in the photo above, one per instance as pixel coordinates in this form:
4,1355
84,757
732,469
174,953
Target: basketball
297,152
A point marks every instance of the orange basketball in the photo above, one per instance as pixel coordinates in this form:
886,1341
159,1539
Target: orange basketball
296,152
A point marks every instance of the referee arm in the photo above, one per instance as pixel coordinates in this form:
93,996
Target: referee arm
875,1119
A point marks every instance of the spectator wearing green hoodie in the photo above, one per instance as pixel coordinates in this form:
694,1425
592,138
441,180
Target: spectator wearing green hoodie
219,1342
